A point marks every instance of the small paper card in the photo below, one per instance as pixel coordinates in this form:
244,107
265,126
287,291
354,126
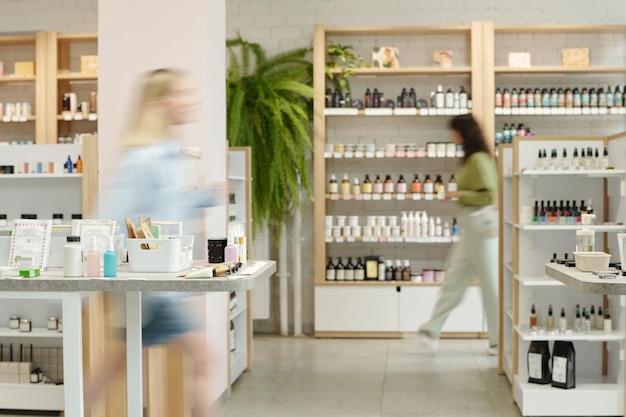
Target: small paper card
102,229
575,57
442,59
30,242
519,59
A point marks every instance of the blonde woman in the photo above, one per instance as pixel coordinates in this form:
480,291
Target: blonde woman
148,182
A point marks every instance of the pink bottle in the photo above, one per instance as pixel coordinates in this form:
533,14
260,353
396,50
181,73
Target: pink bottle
230,251
93,259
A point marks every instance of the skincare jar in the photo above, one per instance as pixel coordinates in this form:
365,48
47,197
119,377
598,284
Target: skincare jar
431,150
346,231
421,152
53,323
390,150
440,276
25,325
14,322
371,221
353,221
428,275
441,149
328,221
356,231
450,150
341,221
336,231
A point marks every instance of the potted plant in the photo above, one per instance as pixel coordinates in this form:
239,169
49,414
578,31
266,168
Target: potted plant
341,57
269,108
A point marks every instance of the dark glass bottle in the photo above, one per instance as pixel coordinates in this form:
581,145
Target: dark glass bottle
330,270
349,271
359,270
340,271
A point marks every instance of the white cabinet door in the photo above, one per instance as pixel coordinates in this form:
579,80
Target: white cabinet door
416,306
349,309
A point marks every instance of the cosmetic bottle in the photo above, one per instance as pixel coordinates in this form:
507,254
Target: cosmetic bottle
439,98
337,98
599,319
462,98
397,271
65,105
585,238
455,227
560,97
367,185
592,317
410,224
537,97
544,158
345,185
618,97
565,163
93,259
554,98
569,98
69,166
589,207
406,270
545,98
368,98
378,185
562,213
347,100
587,328
498,98
242,250
593,97
416,186
604,161
329,98
424,224
388,270
356,187
428,186
446,229
412,97
349,271
610,98
543,218
607,325
550,319
522,98
333,187
381,268
438,227
530,99
514,98
575,160
440,189
230,251
533,317
404,223
584,97
452,184
418,224
110,260
449,99
401,186
601,97
554,160
376,98
73,258
521,130
596,160
577,322
577,98
536,212
79,165
340,271
506,99
539,162
330,270
388,186
562,321
359,270
431,227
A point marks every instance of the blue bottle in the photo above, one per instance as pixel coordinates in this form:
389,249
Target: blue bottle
110,260
69,165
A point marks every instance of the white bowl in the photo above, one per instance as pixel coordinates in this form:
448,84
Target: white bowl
591,261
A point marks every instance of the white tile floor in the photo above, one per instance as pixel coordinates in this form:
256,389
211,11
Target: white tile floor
305,377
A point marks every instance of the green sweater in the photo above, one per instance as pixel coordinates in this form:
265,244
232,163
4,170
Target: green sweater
477,179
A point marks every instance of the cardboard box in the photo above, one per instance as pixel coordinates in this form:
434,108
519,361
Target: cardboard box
519,59
442,59
24,69
575,57
89,64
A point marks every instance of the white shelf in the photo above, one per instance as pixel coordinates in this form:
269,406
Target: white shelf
392,240
238,364
508,312
537,281
36,333
236,222
578,173
237,311
236,178
594,336
509,222
508,365
592,396
32,396
554,227
39,176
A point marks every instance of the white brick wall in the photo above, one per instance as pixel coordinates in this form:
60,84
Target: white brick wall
292,22
65,16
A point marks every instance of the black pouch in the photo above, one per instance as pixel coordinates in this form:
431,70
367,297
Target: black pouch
563,365
539,362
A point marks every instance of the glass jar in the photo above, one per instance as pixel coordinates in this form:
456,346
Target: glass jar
14,322
25,325
53,323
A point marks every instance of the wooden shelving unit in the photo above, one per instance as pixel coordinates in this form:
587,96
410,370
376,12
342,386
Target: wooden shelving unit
393,303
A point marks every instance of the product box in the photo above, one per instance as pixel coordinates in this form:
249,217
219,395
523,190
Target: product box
89,64
575,57
519,59
24,68
442,59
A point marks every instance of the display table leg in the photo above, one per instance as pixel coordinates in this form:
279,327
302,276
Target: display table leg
73,354
134,356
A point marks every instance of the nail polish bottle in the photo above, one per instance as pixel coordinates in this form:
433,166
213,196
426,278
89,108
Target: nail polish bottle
550,319
533,317
562,321
543,219
536,213
562,214
607,325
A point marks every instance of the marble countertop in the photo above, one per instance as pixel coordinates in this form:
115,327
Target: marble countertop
586,281
54,281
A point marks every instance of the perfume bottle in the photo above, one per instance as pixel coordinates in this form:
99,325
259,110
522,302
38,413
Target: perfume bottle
533,317
577,323
562,321
550,319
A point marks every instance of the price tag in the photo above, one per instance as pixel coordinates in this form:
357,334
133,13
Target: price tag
334,197
341,111
376,197
546,111
586,111
383,239
329,239
595,111
405,112
614,110
6,119
386,197
400,196
424,112
347,196
441,112
447,112
569,111
523,111
622,110
417,196
78,116
561,111
515,111
428,197
506,111
531,111
554,111
603,110
578,111
337,155
378,112
15,118
456,112
367,197
350,239
93,117
339,239
432,112
328,155
67,117
499,111
23,119
358,197
464,111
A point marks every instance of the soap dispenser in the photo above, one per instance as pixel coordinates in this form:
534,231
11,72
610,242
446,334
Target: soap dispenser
585,238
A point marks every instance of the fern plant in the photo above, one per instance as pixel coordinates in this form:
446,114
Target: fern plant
269,108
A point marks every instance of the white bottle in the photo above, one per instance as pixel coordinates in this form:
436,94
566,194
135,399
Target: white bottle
457,101
431,227
424,224
404,224
449,98
410,225
439,98
438,227
608,326
418,225
462,98
73,258
446,229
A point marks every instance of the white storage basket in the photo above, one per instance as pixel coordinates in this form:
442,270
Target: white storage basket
173,254
592,261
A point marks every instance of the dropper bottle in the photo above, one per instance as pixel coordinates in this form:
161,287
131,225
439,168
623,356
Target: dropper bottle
110,260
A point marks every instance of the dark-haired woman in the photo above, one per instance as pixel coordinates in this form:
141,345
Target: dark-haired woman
474,256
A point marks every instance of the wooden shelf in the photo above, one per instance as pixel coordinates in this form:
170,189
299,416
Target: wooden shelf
76,77
81,37
555,29
388,112
390,31
560,112
28,119
18,40
404,71
416,240
19,79
89,119
381,197
593,336
560,70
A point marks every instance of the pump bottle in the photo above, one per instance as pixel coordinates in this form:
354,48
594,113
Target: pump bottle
110,260
585,238
93,259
